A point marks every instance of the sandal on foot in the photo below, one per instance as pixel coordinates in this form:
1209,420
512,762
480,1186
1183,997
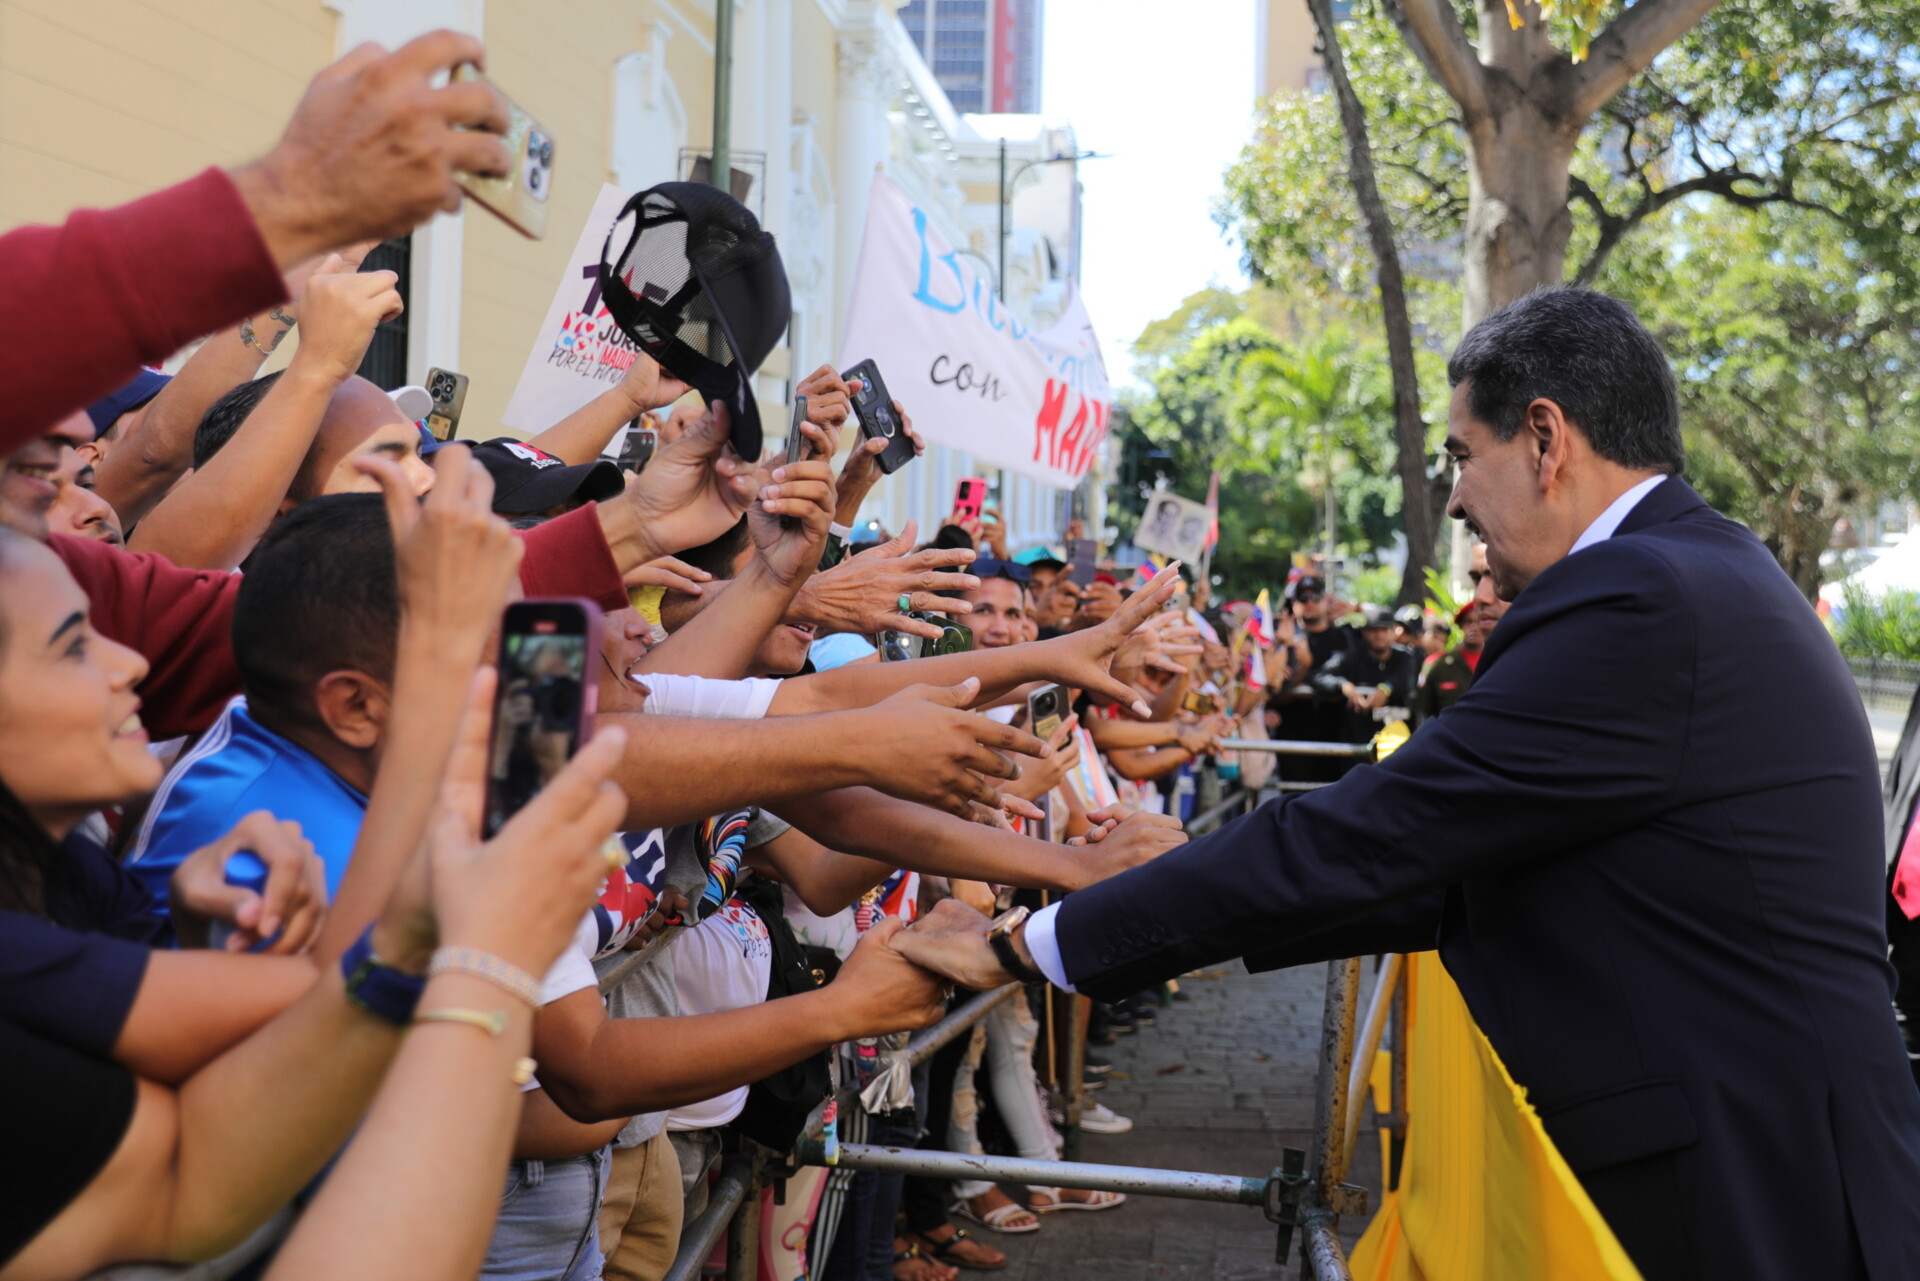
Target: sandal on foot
1094,1201
945,1251
929,1269
1011,1219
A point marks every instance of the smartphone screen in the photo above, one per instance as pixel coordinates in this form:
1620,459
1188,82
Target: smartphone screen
543,706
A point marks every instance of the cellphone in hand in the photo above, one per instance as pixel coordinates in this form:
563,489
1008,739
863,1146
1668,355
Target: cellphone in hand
1081,555
970,498
543,706
449,392
875,409
895,646
518,199
1046,708
799,448
638,447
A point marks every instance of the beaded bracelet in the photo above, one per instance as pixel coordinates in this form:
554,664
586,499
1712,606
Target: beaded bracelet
488,968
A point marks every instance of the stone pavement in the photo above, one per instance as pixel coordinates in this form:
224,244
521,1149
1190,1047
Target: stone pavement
1221,1084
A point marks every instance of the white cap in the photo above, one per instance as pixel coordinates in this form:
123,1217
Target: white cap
415,402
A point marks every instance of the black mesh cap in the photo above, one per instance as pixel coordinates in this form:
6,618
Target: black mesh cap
699,287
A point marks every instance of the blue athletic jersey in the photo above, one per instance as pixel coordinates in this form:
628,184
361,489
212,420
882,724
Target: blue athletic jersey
240,766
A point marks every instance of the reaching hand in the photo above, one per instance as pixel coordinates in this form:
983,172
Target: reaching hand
338,314
1122,838
1098,606
1084,660
647,386
373,147
1040,776
292,904
789,523
878,991
520,895
951,940
671,573
862,593
692,490
829,402
455,558
920,745
992,534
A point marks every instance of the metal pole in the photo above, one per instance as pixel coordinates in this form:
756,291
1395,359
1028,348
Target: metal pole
698,1238
1000,272
1291,747
1396,1150
924,1045
1326,1258
1384,987
743,1238
1187,1184
722,175
1336,1059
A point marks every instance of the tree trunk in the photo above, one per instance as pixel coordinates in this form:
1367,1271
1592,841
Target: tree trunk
1409,429
1518,221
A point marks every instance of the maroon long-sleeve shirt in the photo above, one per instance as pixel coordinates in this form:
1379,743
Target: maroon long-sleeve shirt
181,620
85,304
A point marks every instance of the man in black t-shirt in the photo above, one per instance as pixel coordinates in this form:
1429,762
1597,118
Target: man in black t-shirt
1373,680
1306,713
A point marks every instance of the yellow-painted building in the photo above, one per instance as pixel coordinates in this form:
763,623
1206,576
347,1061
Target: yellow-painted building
103,100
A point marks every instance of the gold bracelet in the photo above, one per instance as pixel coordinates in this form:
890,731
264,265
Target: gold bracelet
488,968
492,1022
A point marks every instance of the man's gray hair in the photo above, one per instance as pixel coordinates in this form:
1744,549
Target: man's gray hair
1588,354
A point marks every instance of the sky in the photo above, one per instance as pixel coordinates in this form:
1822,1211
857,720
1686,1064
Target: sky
1167,89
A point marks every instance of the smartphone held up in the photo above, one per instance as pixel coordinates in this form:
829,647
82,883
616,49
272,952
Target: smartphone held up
543,704
518,198
874,407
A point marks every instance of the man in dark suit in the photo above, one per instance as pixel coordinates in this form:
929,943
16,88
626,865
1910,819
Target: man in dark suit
1657,882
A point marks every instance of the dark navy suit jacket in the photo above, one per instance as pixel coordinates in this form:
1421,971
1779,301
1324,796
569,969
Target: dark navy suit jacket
1648,845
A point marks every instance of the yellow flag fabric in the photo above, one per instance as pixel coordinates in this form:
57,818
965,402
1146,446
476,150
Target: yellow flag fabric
1483,1192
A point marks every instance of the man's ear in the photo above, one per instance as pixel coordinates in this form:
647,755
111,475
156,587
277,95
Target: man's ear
1551,437
353,706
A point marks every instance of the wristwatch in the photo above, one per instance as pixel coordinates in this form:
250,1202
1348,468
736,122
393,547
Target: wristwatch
1000,939
377,987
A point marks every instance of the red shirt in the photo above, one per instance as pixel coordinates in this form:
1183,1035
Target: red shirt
88,302
181,620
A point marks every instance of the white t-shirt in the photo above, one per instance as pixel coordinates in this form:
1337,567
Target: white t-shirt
724,963
706,697
571,970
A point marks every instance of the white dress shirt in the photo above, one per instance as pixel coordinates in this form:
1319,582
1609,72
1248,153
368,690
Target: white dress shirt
1039,934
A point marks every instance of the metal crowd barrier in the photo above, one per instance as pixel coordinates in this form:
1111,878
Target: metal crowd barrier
1291,1196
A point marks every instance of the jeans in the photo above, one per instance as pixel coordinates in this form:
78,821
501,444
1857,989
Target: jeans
546,1230
1008,1031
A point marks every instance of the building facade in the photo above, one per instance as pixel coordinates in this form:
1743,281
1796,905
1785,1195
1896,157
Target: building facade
103,101
984,53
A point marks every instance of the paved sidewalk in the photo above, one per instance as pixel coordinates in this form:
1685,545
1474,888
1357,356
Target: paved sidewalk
1221,1084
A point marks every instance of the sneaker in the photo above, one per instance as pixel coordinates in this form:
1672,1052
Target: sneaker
1098,1118
1095,1065
1145,1017
1091,1083
1120,1024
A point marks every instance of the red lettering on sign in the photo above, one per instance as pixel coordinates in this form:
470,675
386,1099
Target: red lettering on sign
1046,424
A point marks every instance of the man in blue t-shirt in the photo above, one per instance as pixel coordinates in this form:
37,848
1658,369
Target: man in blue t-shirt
314,632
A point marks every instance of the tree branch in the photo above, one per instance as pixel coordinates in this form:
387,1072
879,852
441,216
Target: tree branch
1628,46
1432,30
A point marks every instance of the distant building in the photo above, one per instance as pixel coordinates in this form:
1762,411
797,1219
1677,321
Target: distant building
984,53
1283,52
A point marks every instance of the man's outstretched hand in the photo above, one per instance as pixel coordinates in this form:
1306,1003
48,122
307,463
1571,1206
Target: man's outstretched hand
1084,660
921,745
951,941
1122,838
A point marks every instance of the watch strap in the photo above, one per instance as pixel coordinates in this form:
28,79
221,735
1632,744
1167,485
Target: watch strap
1001,941
377,987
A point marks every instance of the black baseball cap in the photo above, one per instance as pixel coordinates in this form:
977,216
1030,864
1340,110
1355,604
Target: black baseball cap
526,479
1372,616
1318,586
689,275
141,388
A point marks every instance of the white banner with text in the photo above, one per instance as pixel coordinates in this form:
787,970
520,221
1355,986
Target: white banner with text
968,373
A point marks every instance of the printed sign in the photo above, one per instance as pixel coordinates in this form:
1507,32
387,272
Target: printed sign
1174,526
578,352
970,375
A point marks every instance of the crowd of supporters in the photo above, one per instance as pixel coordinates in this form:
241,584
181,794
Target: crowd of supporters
249,623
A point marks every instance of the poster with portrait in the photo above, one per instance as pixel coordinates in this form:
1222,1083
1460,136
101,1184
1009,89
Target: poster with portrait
1174,526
